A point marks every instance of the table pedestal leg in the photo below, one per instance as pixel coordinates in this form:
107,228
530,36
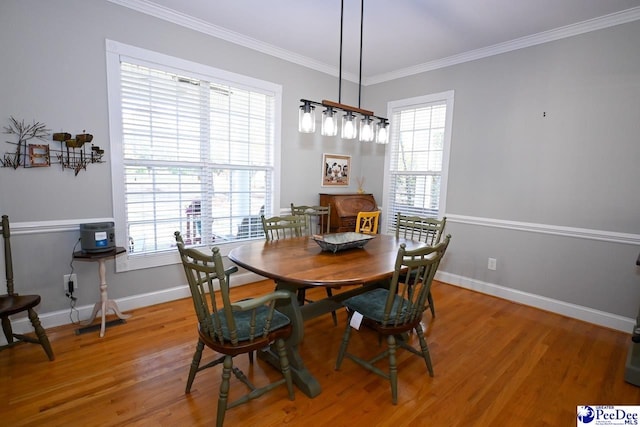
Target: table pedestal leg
105,304
302,377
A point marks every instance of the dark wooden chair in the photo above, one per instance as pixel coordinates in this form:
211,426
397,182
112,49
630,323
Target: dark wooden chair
318,222
232,328
421,229
12,303
395,311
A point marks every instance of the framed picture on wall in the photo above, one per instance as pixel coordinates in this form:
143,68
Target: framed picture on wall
336,169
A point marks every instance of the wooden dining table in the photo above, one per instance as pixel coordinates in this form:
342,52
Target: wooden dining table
300,262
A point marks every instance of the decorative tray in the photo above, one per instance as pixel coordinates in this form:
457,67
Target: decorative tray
341,241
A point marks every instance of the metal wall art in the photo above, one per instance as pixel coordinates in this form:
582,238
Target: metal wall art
74,153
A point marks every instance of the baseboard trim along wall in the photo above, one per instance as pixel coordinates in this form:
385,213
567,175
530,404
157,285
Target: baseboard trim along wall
586,314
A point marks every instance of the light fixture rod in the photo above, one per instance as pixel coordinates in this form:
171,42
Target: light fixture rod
361,31
340,66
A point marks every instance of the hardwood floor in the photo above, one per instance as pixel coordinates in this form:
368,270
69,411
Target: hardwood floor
496,363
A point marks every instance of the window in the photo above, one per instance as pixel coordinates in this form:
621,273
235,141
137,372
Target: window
417,157
193,149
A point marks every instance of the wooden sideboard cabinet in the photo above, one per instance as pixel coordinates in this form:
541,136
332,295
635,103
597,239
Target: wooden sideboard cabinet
345,208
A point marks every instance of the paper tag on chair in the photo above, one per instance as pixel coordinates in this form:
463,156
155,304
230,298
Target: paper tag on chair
356,320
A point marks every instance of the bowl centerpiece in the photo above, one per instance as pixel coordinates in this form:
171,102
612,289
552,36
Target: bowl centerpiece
335,242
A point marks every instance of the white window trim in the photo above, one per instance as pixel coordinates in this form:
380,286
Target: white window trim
448,97
114,52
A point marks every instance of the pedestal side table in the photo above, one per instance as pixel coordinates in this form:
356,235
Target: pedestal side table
105,304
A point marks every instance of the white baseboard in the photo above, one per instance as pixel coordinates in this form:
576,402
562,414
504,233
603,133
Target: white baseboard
22,325
586,314
601,318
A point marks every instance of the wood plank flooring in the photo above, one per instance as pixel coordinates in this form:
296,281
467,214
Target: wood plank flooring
496,363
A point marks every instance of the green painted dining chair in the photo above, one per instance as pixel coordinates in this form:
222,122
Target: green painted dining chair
232,328
318,220
283,227
421,229
397,310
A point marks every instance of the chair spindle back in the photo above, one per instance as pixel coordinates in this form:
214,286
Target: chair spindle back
8,262
284,227
318,218
202,272
419,228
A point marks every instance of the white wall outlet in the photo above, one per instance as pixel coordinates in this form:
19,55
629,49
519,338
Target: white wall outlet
65,281
491,265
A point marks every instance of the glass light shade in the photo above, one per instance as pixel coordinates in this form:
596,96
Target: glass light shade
366,129
382,132
329,122
349,126
307,118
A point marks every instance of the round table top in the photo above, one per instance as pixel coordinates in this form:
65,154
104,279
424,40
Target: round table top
301,261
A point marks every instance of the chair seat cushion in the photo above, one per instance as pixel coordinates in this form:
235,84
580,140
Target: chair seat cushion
243,319
12,304
371,304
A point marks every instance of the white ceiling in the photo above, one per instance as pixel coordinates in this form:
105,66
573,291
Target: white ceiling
401,37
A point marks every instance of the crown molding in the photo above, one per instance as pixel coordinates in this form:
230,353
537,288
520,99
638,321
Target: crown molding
204,27
594,24
161,12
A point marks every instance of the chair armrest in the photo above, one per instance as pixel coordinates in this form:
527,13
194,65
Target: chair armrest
250,304
230,270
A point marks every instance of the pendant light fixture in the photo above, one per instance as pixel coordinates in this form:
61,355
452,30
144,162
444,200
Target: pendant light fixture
307,118
354,119
329,122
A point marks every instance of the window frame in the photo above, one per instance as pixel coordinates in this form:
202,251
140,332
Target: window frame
447,97
115,52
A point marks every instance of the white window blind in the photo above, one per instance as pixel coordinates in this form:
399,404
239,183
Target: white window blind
418,156
196,154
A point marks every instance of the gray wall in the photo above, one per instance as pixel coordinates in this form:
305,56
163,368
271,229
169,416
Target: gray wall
546,139
576,167
54,72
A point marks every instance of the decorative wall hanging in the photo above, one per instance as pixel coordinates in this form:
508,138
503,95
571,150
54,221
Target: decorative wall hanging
336,169
74,153
24,132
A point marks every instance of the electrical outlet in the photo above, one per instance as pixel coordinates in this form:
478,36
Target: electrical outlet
69,278
491,265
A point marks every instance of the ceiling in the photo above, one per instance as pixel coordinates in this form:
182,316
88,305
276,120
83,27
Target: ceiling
401,37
